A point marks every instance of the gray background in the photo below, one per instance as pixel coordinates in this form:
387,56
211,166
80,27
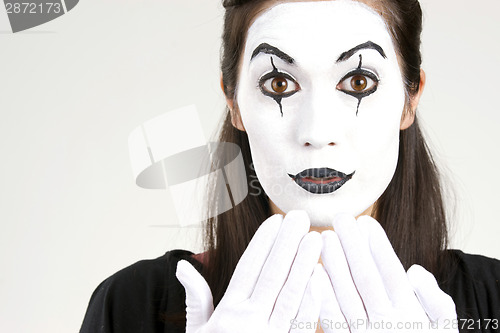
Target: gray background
73,89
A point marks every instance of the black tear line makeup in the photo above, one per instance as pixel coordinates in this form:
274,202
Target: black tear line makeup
359,95
321,180
276,96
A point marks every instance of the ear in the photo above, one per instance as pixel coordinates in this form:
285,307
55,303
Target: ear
409,116
233,109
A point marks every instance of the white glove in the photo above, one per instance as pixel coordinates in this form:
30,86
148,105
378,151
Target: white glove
372,292
272,288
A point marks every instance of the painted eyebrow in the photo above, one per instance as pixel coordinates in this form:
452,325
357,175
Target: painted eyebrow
368,45
269,49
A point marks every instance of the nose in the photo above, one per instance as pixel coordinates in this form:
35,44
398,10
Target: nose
324,121
318,144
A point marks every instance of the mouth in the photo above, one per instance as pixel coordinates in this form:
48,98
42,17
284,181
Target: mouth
321,180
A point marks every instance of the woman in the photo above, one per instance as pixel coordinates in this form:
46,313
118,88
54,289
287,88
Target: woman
322,99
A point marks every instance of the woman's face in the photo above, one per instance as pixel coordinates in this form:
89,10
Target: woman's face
321,96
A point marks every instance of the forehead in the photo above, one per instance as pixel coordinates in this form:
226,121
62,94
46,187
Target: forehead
322,27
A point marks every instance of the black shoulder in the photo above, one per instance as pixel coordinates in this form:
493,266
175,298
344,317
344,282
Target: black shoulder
139,297
474,285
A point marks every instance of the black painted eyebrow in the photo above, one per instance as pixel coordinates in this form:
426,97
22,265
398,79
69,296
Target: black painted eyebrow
269,49
368,45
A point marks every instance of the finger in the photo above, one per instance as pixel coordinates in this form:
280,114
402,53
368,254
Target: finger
277,266
340,278
363,269
331,317
250,264
199,302
291,294
389,266
308,313
438,305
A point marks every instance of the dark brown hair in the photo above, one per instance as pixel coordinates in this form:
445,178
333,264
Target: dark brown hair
410,210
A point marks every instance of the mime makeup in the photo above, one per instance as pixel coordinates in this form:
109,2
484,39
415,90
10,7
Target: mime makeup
321,180
278,88
276,97
359,80
324,152
269,49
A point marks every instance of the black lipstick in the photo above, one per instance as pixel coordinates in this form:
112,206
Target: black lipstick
321,180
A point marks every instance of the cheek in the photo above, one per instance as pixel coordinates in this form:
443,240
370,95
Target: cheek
377,133
251,103
261,116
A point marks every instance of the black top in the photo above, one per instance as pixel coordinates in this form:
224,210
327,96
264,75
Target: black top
146,297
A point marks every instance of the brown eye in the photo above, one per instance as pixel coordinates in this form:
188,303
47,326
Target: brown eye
359,83
279,85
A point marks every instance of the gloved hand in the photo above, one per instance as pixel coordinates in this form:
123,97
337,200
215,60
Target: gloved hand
272,289
370,290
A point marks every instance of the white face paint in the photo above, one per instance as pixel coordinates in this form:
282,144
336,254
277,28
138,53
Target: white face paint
320,89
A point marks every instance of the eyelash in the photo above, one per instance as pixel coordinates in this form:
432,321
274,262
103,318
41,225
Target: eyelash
266,81
363,74
266,84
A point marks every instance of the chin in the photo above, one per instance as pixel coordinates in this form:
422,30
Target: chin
322,210
322,218
352,199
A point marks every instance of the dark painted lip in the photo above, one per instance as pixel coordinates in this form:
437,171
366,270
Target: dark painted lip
325,173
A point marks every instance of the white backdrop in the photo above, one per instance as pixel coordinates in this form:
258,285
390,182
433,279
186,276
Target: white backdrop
73,89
